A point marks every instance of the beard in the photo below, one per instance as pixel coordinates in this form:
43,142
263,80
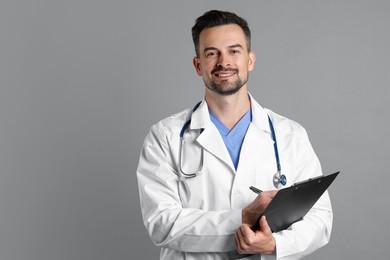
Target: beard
225,88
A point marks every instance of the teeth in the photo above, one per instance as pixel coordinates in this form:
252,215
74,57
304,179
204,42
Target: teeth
224,75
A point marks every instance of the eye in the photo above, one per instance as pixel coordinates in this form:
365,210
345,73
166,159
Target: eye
234,51
210,54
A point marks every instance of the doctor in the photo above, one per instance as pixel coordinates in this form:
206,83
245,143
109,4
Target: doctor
196,167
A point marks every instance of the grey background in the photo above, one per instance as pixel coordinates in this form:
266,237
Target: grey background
82,81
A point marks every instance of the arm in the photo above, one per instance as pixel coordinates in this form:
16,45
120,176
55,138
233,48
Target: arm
303,237
299,240
167,222
314,230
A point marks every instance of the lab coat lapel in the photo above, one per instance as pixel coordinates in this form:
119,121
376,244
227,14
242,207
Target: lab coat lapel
259,116
210,139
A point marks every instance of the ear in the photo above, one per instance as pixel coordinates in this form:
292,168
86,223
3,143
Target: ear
252,60
196,63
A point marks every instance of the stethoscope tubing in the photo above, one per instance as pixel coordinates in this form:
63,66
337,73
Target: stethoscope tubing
278,178
271,126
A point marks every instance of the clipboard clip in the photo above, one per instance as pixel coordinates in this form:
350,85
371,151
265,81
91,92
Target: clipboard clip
319,178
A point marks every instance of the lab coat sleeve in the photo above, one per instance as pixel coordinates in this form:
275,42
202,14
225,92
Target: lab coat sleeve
313,232
167,222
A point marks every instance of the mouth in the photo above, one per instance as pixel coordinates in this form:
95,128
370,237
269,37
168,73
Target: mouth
224,73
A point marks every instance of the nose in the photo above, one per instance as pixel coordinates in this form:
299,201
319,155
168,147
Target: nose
223,61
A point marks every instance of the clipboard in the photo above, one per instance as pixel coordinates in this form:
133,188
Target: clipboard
291,204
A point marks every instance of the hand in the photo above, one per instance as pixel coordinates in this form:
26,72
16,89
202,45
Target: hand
252,212
255,242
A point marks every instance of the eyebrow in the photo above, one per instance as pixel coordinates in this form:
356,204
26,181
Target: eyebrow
229,47
209,49
235,46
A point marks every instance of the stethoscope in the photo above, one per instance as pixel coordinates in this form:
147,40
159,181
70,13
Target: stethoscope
278,178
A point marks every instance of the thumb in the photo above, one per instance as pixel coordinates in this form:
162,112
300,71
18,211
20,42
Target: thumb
264,227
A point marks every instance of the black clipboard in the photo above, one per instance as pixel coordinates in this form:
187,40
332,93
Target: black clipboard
291,204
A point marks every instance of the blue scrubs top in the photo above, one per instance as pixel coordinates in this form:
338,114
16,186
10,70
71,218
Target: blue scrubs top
235,137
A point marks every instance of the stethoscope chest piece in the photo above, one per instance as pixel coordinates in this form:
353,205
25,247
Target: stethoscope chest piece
279,179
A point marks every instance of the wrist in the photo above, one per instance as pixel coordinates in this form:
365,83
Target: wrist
273,246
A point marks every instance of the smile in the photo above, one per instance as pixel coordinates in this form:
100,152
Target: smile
224,74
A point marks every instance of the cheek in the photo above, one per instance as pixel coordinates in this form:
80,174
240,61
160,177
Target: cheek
209,64
205,70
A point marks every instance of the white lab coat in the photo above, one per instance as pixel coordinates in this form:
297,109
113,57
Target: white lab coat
196,218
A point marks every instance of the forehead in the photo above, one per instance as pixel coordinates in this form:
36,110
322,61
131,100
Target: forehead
222,36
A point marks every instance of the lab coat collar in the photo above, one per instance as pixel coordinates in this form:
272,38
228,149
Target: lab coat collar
259,115
200,118
211,140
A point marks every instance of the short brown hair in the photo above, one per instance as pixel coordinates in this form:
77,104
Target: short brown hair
216,18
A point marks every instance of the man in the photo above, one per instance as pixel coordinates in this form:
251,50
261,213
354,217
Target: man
194,193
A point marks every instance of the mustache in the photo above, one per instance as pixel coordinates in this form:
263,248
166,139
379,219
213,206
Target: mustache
224,69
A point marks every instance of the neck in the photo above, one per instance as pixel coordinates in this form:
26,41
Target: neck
228,109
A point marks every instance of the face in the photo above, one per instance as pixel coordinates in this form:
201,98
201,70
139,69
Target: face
224,60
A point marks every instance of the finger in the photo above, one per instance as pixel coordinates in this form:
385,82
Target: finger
267,196
265,228
236,241
270,194
239,241
246,231
240,234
